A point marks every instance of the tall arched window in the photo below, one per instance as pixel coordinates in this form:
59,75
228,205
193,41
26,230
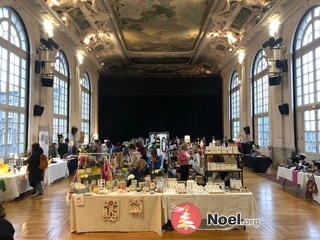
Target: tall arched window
13,83
307,77
261,99
235,105
86,106
60,96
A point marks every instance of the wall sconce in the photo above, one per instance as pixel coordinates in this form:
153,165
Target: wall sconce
80,58
187,139
272,42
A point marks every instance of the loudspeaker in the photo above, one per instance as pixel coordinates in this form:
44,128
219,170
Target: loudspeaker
274,80
284,109
47,81
74,130
246,130
37,110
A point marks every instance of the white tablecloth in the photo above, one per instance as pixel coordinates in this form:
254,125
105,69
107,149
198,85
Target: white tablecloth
224,204
16,184
302,178
55,171
285,173
89,218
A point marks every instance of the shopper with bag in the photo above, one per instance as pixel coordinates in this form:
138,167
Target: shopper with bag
34,172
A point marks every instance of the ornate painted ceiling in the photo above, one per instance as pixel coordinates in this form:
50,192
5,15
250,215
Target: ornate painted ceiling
160,37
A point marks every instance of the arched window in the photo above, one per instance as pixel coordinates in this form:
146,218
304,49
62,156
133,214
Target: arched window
86,106
60,97
307,77
14,51
261,99
235,105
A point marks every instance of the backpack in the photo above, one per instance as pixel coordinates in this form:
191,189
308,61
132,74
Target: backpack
43,162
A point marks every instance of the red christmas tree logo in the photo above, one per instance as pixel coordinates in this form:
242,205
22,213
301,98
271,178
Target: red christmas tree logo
185,218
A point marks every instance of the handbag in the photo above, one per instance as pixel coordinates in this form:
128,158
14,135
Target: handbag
311,185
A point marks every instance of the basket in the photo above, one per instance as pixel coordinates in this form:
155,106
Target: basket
81,191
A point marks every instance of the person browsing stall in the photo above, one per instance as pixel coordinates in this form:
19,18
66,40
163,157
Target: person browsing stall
184,158
154,161
134,155
34,172
53,151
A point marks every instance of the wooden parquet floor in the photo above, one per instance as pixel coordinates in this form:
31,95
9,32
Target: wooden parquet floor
283,213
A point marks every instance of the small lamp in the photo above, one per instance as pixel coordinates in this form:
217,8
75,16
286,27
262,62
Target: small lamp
187,138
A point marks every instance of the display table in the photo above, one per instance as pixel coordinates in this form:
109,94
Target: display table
72,162
90,218
224,204
292,175
300,178
15,185
257,164
55,171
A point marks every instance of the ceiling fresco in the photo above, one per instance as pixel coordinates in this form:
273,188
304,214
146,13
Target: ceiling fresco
161,37
161,26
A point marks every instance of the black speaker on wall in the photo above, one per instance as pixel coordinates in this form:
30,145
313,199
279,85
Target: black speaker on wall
284,109
246,130
274,80
47,81
37,110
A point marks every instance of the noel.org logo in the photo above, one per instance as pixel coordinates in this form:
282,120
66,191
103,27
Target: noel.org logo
185,218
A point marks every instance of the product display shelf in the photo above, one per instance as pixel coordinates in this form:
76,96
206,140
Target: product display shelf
223,162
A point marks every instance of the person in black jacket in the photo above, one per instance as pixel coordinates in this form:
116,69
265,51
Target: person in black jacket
35,173
6,229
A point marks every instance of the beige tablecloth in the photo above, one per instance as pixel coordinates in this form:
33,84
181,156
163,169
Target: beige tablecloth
224,204
90,218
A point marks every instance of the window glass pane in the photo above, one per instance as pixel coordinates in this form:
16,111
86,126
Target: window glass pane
12,83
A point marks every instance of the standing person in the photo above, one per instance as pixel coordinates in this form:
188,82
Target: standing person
116,149
142,150
6,229
184,157
35,173
134,155
53,151
63,149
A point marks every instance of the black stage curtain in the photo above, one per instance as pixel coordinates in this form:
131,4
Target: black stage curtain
123,116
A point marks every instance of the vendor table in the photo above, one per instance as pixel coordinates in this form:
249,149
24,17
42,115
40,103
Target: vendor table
15,184
226,204
55,171
72,162
257,164
300,178
90,218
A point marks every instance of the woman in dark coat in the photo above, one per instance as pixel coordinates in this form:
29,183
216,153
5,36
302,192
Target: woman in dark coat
35,173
